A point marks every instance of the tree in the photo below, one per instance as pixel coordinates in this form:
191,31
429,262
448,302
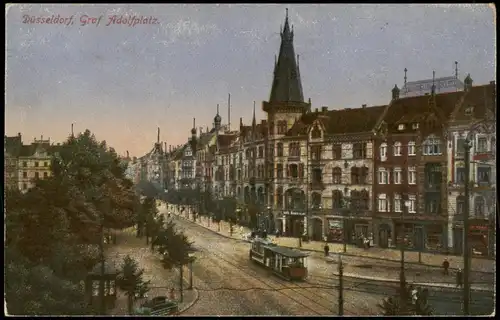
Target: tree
131,281
175,248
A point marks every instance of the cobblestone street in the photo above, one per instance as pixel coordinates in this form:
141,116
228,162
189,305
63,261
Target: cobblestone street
161,280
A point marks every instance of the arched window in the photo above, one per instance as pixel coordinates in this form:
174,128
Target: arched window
337,175
282,126
355,175
355,201
397,148
337,199
432,146
279,148
460,205
383,150
316,132
479,206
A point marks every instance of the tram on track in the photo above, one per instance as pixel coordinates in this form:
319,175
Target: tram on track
284,262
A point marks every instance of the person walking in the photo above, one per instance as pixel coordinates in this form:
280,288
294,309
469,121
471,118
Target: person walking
327,249
459,278
446,266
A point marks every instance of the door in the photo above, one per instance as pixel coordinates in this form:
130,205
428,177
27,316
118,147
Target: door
458,240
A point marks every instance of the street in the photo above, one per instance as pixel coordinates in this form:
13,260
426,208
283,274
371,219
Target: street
222,272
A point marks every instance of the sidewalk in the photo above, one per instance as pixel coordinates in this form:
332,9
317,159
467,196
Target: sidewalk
411,257
161,280
424,284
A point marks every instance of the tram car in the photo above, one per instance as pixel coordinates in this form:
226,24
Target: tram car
284,262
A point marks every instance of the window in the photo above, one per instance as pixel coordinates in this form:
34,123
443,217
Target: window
412,175
479,207
316,153
294,149
483,174
25,174
36,164
337,175
37,175
412,204
382,176
469,111
316,133
280,149
25,186
355,175
482,145
432,202
411,148
397,203
261,152
401,127
383,151
337,199
415,126
460,177
382,203
460,205
282,126
363,177
365,199
397,148
279,170
460,146
432,146
359,150
337,151
25,164
397,176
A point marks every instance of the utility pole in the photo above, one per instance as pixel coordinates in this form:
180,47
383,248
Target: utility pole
341,287
466,249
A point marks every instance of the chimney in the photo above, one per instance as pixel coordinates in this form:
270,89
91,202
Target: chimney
492,82
363,105
19,134
316,110
41,137
324,109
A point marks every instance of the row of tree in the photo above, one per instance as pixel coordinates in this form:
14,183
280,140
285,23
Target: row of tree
53,231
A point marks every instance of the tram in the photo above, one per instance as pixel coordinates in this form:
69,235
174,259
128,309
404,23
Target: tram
284,262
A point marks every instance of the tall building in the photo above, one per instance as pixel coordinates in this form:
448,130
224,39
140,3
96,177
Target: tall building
378,171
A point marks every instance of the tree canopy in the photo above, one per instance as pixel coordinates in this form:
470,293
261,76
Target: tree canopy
52,229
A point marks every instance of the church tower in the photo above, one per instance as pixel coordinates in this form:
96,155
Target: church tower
286,101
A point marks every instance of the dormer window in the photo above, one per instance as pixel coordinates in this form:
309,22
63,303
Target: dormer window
469,111
401,127
415,126
316,133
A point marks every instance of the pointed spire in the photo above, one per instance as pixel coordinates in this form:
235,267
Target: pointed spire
405,87
286,83
456,69
72,132
254,121
158,136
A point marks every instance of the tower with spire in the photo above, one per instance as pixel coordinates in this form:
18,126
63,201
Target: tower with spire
286,101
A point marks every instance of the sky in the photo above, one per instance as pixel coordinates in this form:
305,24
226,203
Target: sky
123,82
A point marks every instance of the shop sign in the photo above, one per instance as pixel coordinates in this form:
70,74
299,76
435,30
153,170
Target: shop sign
293,213
478,228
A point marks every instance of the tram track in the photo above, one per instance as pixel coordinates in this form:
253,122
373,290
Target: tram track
326,303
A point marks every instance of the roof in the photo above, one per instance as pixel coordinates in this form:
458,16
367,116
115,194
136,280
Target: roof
286,82
481,98
284,251
13,145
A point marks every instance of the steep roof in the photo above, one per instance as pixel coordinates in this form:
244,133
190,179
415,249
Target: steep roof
481,99
286,81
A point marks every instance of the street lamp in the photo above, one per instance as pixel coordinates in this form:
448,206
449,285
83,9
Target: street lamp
191,260
269,212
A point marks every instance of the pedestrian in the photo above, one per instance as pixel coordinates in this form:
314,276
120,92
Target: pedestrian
327,249
446,265
459,278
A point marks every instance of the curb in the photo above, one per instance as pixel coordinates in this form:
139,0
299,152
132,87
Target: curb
341,253
196,298
423,284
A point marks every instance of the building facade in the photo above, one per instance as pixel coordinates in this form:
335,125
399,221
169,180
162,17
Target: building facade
382,171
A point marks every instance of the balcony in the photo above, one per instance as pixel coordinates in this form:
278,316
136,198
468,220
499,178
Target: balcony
482,155
293,158
317,185
295,180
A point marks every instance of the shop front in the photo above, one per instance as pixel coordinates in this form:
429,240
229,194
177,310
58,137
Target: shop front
335,230
294,223
424,237
479,235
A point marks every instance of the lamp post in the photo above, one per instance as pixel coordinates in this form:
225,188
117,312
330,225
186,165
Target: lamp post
191,260
346,206
269,212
